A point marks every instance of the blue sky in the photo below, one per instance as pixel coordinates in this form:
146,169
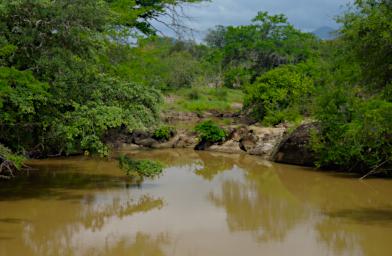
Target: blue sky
307,15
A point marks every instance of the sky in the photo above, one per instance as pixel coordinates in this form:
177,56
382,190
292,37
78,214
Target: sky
307,15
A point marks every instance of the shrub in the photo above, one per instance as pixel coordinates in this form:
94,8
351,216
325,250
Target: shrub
208,131
220,93
194,94
9,163
356,134
276,96
140,169
236,77
163,133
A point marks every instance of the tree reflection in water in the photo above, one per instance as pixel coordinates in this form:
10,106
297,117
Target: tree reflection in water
98,227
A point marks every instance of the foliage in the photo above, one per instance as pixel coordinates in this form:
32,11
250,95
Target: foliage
6,154
354,107
57,93
194,94
237,77
20,95
9,163
245,52
139,169
355,133
208,131
138,14
159,62
164,133
366,33
276,95
200,99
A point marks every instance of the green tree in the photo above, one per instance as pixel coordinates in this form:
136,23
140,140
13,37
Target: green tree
279,95
57,93
270,41
354,108
367,37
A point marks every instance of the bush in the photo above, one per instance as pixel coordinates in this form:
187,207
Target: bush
277,95
236,77
9,163
208,131
194,94
221,93
356,133
163,133
140,169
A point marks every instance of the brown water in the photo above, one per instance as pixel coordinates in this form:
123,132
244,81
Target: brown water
203,204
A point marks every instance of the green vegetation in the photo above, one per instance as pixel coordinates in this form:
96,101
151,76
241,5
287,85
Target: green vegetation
208,131
164,133
139,169
200,99
246,52
64,77
71,71
277,96
9,163
354,106
354,131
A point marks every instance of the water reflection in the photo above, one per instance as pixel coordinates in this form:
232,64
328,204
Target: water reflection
204,204
259,205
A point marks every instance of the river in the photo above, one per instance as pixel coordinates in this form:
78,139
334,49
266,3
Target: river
203,204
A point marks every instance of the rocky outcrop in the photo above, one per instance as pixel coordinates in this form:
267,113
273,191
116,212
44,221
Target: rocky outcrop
295,148
252,140
262,141
230,146
181,140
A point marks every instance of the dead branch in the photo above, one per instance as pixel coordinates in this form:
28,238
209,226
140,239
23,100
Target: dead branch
375,170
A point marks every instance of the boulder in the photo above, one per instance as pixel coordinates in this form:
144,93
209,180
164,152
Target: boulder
295,148
148,143
185,141
261,141
203,145
249,141
230,146
138,136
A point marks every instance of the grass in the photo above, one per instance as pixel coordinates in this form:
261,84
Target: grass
203,99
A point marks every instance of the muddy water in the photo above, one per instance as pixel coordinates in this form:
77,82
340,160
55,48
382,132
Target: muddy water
203,204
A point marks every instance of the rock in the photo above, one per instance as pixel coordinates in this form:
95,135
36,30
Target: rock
129,147
237,106
138,136
148,143
262,149
261,141
179,141
237,133
163,145
230,146
249,141
185,141
203,145
295,148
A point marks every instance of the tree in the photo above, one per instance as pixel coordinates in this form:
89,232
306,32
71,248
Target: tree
138,14
367,34
270,41
276,96
56,93
354,108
